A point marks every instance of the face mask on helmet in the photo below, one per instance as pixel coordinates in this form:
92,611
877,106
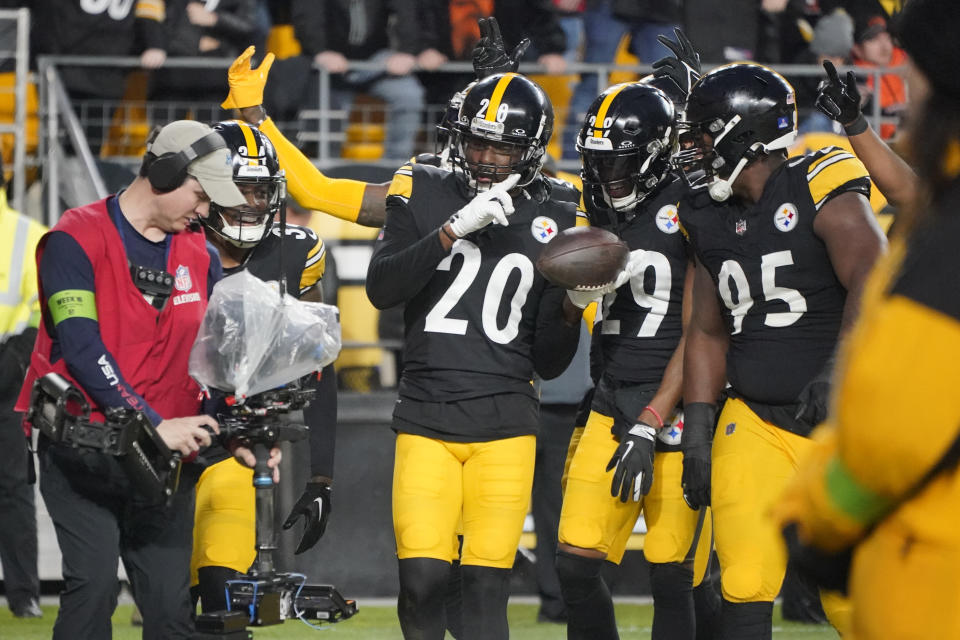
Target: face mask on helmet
503,127
256,172
625,145
735,114
447,122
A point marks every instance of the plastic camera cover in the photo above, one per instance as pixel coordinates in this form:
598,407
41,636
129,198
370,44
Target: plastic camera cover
252,341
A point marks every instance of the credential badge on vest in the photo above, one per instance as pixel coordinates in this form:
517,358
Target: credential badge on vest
182,279
544,229
786,217
667,219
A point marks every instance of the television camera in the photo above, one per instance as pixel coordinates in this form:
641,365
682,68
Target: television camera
264,596
61,413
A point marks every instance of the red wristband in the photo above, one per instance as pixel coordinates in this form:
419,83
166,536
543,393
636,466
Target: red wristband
655,414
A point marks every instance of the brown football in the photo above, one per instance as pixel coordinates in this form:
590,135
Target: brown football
583,257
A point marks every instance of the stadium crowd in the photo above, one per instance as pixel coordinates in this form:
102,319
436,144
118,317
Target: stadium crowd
742,379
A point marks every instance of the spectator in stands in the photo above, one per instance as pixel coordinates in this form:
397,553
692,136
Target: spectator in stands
570,16
334,32
19,315
728,31
833,41
874,48
207,29
605,22
451,28
78,27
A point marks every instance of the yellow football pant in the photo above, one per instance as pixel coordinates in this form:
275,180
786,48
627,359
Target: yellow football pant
753,461
593,519
488,483
224,532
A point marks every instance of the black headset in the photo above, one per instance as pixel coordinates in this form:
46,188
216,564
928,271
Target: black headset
166,172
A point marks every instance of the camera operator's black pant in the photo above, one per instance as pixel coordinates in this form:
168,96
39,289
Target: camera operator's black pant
99,520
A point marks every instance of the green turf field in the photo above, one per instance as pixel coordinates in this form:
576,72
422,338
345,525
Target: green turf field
380,623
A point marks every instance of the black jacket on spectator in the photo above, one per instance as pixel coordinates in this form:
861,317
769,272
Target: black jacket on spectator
236,23
355,28
664,11
720,31
65,27
518,19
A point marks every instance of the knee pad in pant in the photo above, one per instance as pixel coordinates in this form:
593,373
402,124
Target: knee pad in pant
743,583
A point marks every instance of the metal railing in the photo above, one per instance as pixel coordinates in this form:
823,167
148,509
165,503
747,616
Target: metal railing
21,55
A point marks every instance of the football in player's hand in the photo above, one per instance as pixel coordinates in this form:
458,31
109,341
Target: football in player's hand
583,257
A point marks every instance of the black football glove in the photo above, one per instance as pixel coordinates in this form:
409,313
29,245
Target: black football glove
683,67
826,570
315,507
814,399
699,420
490,54
840,100
633,460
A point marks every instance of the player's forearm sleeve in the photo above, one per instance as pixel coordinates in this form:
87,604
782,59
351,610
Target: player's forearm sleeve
321,416
555,342
309,186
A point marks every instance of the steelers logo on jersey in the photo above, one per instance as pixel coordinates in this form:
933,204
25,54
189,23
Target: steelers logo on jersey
785,219
667,219
544,229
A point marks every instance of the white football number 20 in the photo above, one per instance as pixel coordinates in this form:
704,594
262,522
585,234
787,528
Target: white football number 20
732,271
438,321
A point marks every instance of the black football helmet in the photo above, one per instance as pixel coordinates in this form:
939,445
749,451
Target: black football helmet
512,114
735,114
450,116
257,173
625,145
671,90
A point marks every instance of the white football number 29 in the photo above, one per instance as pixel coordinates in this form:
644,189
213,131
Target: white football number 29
657,301
437,320
732,271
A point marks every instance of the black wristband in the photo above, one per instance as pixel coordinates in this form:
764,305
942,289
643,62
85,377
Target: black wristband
856,127
699,420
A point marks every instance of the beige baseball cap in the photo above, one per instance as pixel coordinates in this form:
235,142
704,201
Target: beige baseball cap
213,170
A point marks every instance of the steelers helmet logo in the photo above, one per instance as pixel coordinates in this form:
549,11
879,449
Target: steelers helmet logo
544,229
786,217
667,219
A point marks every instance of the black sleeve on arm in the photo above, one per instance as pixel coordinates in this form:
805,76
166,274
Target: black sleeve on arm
237,22
555,342
307,16
321,416
402,261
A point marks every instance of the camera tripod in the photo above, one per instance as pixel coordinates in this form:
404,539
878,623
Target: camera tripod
263,596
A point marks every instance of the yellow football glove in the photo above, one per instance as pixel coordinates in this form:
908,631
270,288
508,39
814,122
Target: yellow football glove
246,83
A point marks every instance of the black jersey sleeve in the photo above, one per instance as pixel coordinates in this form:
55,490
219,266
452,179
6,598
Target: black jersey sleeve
403,261
555,342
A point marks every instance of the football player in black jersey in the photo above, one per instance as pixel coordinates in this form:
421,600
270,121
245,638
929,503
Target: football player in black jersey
625,146
224,532
480,320
782,250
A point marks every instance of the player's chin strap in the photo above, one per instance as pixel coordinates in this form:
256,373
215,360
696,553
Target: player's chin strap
721,190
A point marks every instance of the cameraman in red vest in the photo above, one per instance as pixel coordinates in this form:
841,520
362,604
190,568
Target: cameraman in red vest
124,340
